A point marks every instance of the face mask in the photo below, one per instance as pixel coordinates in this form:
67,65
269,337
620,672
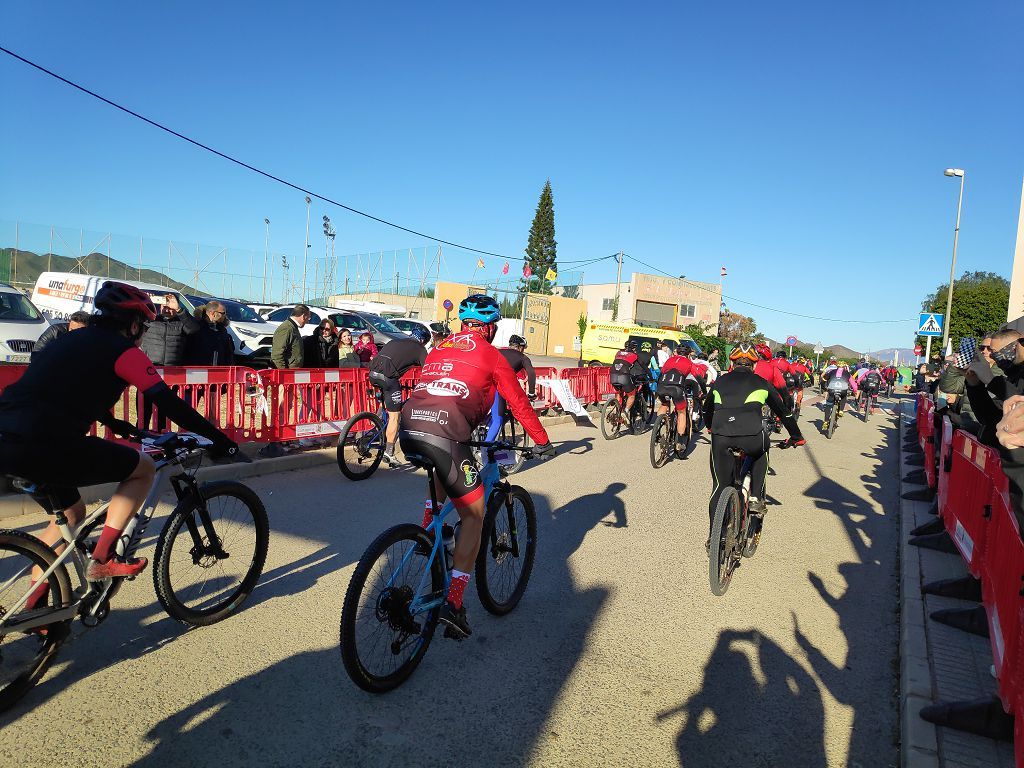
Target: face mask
1005,357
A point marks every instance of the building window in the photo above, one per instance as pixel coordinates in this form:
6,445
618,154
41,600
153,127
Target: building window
687,310
607,305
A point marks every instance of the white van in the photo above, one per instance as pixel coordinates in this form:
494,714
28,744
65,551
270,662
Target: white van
21,325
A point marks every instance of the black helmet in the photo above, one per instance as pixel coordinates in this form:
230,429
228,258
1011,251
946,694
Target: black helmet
630,345
421,334
780,353
516,341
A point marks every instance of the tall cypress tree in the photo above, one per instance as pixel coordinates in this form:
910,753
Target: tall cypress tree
541,246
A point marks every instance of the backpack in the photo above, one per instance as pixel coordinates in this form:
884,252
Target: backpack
872,379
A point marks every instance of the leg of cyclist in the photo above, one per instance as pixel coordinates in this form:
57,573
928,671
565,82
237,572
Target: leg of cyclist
722,464
127,500
392,398
682,422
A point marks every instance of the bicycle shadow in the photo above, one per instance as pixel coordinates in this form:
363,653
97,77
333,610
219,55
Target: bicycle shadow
507,678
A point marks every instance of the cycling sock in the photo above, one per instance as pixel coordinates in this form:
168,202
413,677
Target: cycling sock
108,539
460,580
389,448
38,595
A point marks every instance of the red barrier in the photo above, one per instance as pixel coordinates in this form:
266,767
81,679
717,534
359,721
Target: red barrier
926,436
581,384
602,383
308,402
10,374
545,397
945,462
968,507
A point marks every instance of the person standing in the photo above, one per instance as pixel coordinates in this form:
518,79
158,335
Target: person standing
287,350
321,349
167,338
347,357
211,344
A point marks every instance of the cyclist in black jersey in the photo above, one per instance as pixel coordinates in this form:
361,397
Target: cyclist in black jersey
386,370
732,411
45,417
516,356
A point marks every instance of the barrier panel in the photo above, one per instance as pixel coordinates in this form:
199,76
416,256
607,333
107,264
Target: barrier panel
968,506
10,374
945,463
581,384
602,383
310,402
545,397
926,436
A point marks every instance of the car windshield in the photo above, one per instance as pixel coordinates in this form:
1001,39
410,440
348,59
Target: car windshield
16,308
381,324
239,313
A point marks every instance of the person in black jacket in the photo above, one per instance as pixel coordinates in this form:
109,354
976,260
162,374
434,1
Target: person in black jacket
321,349
211,344
77,320
166,340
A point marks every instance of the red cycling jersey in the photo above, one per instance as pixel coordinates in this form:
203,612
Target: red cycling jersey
457,387
680,363
800,370
699,369
782,364
770,372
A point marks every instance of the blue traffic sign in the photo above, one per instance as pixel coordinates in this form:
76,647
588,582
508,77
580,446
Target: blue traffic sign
930,325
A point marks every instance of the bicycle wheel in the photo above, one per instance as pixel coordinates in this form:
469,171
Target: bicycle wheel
512,432
508,546
361,446
724,554
25,656
381,641
867,407
202,575
611,419
661,440
833,417
638,424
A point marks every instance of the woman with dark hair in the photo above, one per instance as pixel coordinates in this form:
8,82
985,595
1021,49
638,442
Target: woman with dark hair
321,349
347,357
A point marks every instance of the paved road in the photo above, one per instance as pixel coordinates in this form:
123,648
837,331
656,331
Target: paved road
618,654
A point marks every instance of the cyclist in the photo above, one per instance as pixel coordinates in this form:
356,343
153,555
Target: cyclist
890,375
732,411
453,397
515,354
386,371
801,376
673,385
844,382
45,417
869,382
767,370
627,374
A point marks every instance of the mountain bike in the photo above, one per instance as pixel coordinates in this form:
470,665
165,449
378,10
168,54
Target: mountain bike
666,431
362,442
614,419
836,396
512,432
735,532
868,396
208,559
400,583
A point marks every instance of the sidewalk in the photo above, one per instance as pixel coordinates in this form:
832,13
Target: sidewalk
937,662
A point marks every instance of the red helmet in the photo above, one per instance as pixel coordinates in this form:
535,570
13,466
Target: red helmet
124,301
764,351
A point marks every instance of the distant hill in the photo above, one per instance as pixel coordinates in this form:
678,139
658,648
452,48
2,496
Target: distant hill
31,265
845,353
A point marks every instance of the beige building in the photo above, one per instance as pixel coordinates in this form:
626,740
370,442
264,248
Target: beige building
654,301
1016,308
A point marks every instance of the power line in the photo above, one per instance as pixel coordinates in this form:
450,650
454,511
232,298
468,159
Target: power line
762,306
243,164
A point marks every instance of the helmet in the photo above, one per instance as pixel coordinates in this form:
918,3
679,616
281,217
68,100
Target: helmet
421,334
124,301
781,353
630,345
744,354
763,351
479,307
516,341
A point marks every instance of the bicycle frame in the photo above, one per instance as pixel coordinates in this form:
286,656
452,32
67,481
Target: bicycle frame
127,544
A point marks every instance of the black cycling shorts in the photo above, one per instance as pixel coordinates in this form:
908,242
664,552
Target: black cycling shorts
453,463
391,391
64,465
674,392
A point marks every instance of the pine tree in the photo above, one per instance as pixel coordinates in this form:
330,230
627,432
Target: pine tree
541,246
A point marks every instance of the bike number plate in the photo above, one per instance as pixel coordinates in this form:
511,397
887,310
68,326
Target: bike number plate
504,458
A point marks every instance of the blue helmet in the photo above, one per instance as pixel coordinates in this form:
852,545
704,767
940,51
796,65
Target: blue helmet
420,334
479,307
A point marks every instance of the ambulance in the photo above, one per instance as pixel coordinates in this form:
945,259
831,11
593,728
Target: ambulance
602,340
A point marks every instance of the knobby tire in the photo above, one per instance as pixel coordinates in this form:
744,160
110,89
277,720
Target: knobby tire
501,531
365,455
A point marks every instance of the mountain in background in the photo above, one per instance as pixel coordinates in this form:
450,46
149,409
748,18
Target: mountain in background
845,353
22,268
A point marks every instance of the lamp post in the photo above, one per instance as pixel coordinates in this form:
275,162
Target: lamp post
952,172
266,257
305,251
328,244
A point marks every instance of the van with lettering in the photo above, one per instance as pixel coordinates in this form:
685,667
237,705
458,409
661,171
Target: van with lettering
602,340
60,294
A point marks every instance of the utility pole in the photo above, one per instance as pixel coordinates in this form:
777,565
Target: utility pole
618,281
266,257
954,173
305,251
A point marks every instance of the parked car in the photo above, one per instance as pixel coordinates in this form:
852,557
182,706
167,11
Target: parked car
21,325
282,313
406,324
252,335
358,322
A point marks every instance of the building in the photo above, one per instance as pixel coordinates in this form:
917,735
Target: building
655,301
1016,307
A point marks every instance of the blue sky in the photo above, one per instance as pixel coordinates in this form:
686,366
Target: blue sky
799,144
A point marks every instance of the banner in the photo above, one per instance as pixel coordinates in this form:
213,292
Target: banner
570,404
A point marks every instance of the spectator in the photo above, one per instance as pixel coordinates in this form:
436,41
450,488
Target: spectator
287,350
365,348
167,338
211,344
713,360
347,357
321,349
77,320
664,353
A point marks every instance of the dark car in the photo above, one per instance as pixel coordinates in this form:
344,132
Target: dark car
358,322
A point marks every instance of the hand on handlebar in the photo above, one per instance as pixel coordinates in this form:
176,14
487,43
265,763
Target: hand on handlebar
125,429
228,451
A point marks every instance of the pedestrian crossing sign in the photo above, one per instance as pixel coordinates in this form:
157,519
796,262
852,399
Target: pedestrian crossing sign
930,325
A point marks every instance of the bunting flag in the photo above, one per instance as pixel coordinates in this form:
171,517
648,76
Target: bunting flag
479,263
527,272
551,275
504,270
724,273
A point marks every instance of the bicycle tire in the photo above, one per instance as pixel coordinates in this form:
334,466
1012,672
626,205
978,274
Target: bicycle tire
867,407
365,447
348,635
661,443
40,650
722,564
171,595
612,411
496,547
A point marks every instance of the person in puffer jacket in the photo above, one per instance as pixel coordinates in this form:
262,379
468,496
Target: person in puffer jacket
165,341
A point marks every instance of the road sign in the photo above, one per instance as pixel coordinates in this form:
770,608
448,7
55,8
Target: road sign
791,340
447,304
918,349
818,349
930,325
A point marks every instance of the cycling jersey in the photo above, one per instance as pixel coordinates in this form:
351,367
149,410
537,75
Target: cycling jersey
840,374
732,406
627,371
397,357
801,373
672,383
457,388
518,361
679,363
768,371
868,379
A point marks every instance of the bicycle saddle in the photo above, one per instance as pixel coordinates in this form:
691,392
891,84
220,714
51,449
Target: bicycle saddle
418,460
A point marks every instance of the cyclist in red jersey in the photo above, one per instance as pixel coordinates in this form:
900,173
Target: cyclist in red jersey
454,396
676,377
801,375
768,371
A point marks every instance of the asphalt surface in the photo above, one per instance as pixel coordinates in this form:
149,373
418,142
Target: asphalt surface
617,655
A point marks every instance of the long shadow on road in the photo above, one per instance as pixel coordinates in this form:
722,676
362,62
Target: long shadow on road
482,702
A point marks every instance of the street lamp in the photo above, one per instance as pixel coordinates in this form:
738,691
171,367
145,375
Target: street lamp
266,257
305,251
953,173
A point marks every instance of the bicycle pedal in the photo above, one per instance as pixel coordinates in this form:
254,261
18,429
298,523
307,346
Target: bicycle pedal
454,634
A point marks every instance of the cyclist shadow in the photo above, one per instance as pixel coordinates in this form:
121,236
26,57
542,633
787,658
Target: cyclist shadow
493,694
576,447
751,687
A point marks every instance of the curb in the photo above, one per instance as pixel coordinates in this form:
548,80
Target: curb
918,738
17,504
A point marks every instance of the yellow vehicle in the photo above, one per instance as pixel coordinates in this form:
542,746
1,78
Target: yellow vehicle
602,340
